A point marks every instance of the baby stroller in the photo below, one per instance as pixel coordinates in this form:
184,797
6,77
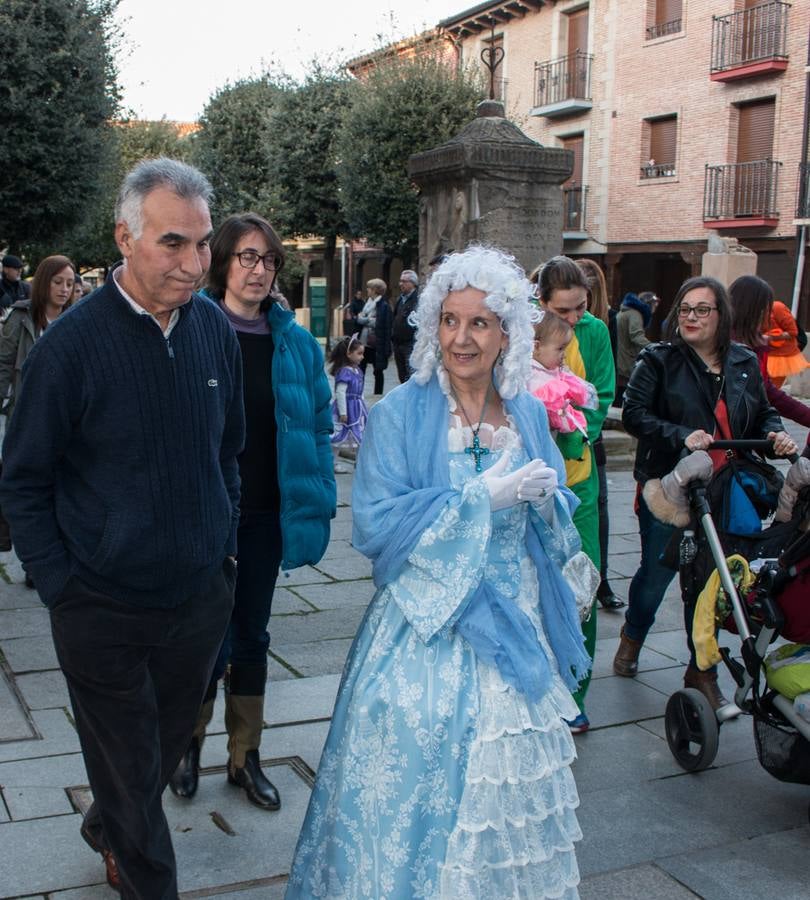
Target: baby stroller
778,603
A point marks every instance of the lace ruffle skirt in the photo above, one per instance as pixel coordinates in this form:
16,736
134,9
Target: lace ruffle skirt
516,827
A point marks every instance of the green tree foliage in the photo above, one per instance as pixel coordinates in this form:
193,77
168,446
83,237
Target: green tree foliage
230,145
404,107
300,149
58,92
92,243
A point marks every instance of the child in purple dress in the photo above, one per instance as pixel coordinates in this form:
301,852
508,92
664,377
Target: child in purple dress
349,410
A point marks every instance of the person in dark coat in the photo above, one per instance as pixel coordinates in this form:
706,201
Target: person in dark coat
376,320
402,332
121,485
12,287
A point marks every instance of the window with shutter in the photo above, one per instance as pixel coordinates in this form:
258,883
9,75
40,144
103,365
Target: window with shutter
664,17
574,191
660,143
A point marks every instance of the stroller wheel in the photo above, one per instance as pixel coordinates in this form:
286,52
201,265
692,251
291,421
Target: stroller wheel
692,730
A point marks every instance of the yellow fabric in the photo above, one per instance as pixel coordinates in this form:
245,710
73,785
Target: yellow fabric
576,470
705,622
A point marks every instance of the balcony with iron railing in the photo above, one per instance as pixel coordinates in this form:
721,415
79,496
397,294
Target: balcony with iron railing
741,195
750,42
663,29
658,170
574,208
562,87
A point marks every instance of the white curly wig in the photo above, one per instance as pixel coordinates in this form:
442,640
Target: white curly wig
509,296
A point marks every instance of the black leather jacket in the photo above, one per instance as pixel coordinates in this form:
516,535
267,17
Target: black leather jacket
670,395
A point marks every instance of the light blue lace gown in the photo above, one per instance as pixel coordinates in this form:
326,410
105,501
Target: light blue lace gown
438,780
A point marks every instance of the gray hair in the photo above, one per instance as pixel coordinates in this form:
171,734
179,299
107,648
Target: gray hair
509,296
184,180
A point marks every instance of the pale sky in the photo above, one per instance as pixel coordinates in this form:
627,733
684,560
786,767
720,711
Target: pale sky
179,52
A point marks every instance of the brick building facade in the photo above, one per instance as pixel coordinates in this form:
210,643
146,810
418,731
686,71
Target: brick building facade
685,117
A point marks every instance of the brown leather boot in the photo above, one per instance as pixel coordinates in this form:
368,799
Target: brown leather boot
706,683
625,662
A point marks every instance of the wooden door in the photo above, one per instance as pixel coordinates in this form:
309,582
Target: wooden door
753,183
573,190
577,67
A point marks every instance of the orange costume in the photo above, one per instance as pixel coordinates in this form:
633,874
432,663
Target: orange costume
784,356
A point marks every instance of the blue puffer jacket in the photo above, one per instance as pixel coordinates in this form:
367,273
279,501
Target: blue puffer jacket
304,421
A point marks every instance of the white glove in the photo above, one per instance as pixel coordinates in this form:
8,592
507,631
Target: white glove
519,486
798,476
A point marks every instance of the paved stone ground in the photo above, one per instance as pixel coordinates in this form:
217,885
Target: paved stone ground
651,831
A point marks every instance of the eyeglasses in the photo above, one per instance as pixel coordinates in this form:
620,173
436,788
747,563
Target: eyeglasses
249,258
701,312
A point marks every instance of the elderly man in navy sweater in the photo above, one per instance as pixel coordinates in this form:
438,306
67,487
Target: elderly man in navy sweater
121,485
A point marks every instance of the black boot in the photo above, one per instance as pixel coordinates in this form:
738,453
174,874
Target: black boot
258,787
607,599
186,778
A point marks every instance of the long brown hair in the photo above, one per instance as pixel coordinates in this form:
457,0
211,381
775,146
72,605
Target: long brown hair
597,289
41,287
751,303
560,273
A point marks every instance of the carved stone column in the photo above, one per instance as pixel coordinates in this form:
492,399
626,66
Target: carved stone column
491,184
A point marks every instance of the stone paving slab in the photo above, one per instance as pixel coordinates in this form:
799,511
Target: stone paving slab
320,626
317,658
617,701
646,882
337,595
765,866
44,690
24,622
286,602
14,724
29,654
58,737
302,575
340,548
623,757
346,567
43,855
38,787
262,846
674,817
18,596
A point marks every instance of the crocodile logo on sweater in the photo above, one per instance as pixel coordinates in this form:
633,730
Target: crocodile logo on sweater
212,382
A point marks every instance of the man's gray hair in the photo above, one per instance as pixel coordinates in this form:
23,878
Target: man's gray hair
180,178
508,295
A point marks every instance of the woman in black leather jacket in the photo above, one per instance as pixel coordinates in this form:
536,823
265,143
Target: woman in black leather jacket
680,395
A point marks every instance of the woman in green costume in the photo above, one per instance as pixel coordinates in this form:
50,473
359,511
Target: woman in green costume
563,289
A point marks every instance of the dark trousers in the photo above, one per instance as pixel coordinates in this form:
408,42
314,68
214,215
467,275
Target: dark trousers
370,359
246,640
136,678
402,353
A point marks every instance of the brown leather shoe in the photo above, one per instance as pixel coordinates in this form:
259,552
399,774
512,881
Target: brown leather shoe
706,683
625,662
113,878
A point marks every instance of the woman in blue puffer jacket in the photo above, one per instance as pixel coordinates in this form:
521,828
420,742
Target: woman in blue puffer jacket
288,485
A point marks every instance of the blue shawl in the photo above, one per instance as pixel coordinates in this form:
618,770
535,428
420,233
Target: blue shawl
400,488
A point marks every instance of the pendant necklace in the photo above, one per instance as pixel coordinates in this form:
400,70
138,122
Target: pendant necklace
476,449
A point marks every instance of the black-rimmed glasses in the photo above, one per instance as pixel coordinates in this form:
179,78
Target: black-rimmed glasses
701,312
249,258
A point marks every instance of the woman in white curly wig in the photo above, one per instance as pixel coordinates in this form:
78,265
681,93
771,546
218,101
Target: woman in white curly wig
446,772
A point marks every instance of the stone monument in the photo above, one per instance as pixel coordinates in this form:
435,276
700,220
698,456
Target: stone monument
726,259
491,184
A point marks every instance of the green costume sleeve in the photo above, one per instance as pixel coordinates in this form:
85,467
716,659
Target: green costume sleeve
594,345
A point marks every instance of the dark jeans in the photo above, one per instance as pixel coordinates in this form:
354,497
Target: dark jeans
136,678
259,557
370,359
651,581
402,353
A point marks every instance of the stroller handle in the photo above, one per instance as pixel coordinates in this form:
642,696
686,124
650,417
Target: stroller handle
762,446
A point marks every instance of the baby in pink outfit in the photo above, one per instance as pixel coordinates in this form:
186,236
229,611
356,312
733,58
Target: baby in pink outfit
562,393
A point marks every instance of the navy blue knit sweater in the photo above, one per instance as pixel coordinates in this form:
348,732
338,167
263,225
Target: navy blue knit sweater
119,463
